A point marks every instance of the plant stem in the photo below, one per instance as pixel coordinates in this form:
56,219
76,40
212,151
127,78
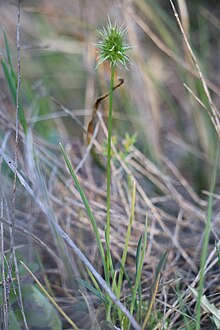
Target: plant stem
107,230
109,167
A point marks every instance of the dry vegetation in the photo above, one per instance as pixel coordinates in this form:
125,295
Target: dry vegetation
165,100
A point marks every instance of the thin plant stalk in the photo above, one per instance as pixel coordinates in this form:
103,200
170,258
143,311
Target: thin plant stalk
109,265
139,267
125,250
112,48
205,244
108,254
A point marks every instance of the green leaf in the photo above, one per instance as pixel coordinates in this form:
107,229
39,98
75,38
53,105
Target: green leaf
138,253
139,304
12,72
8,50
92,289
40,312
13,322
9,78
86,204
160,265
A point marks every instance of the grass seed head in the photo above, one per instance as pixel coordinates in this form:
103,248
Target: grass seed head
112,45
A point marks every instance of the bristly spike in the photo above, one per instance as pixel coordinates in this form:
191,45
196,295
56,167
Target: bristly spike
112,46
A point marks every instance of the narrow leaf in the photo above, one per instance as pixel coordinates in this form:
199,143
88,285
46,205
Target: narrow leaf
12,72
154,288
92,289
12,88
86,204
126,241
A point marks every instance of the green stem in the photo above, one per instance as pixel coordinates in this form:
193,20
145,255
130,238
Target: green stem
109,163
107,230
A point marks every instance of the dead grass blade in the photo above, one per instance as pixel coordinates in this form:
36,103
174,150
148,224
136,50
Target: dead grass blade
90,128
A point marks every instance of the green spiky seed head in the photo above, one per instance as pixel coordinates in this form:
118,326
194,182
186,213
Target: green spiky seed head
112,45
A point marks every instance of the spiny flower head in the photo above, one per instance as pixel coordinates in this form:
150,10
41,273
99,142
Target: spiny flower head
112,46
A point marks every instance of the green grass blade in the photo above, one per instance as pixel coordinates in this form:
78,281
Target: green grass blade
206,242
160,266
10,81
7,49
95,283
154,288
124,255
12,71
86,204
139,305
12,87
22,119
138,253
114,284
11,78
139,264
217,252
125,273
93,290
137,261
187,320
109,263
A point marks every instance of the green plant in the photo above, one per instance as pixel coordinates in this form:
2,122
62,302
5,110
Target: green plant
112,48
123,147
